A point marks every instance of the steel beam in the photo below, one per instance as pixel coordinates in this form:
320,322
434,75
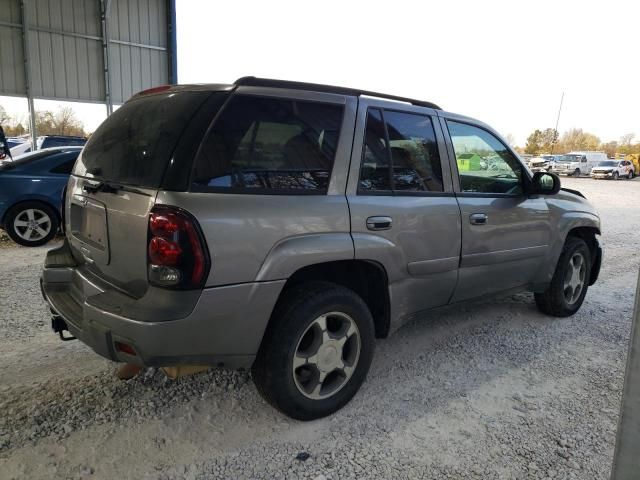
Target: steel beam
27,74
104,14
172,42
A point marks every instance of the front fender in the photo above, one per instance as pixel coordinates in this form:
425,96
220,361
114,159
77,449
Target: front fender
293,253
565,223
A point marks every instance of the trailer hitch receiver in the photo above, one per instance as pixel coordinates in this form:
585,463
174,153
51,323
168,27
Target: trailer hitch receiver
59,326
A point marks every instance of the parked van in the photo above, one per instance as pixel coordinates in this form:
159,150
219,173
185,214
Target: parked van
579,163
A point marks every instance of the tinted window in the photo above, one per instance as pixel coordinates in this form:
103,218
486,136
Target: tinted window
409,142
374,169
134,145
485,165
25,159
66,166
62,142
270,145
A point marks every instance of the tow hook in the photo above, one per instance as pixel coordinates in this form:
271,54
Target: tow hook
59,326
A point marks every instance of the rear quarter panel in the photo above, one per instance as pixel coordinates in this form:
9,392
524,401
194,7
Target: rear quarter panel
283,232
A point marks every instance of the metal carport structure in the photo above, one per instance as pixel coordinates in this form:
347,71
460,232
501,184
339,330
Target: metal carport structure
93,51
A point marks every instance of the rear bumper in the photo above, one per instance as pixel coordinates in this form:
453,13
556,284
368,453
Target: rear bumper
224,329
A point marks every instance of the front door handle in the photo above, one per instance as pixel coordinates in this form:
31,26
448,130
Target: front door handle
379,223
478,219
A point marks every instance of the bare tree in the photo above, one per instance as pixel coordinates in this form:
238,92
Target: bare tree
511,139
63,122
626,139
4,116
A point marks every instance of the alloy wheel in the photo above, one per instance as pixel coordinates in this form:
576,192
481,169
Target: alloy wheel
575,277
326,355
32,224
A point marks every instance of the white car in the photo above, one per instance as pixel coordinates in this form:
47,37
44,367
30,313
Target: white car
613,169
18,147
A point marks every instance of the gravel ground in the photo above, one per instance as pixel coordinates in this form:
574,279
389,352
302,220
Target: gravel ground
485,390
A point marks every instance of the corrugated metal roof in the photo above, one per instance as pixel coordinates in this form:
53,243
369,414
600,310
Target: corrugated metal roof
66,48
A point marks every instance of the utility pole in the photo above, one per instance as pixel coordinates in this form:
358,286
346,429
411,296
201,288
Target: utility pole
557,122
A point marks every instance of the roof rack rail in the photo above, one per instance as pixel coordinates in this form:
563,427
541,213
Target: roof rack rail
317,87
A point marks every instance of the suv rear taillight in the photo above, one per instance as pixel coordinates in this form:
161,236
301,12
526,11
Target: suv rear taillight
176,254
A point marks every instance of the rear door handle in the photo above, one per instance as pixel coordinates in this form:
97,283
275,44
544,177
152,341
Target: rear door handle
379,223
478,219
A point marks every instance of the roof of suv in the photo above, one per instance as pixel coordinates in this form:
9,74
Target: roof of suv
273,83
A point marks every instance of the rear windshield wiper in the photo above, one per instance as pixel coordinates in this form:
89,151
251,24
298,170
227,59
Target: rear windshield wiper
110,187
101,187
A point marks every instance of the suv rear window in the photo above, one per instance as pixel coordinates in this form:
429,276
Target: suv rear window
269,145
134,145
49,142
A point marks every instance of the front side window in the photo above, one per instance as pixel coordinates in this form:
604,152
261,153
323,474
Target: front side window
269,145
400,154
485,164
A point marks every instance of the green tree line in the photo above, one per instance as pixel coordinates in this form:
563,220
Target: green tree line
550,141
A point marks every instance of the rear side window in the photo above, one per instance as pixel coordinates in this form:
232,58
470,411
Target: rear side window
66,166
400,154
134,145
269,145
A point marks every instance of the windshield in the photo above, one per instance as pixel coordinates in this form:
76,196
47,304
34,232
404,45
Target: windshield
607,164
573,158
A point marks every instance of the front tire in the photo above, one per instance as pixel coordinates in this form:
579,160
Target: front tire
316,352
630,175
577,172
570,281
615,175
31,224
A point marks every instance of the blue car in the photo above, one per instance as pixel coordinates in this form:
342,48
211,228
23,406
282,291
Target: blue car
31,193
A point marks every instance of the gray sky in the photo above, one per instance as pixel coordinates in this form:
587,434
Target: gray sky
505,63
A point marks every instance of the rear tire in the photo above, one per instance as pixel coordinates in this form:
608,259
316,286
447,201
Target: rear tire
570,281
31,224
302,369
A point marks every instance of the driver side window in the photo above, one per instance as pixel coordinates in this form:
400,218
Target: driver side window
485,165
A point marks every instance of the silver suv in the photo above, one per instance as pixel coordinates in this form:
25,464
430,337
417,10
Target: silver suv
284,226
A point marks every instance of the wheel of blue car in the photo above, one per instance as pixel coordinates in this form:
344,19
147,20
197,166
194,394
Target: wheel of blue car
316,352
31,224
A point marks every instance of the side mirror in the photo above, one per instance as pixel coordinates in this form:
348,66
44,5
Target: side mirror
545,183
